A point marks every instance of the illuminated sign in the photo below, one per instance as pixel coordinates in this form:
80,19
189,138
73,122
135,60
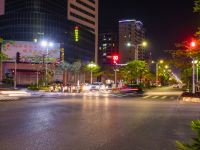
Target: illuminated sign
30,50
76,34
62,54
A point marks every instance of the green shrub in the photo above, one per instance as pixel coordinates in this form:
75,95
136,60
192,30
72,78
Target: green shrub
33,87
45,88
8,81
195,145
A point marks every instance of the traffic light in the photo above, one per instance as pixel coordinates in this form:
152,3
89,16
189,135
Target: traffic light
18,58
115,58
193,44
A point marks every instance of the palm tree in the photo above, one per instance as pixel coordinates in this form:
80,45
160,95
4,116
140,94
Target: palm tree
64,67
2,58
76,69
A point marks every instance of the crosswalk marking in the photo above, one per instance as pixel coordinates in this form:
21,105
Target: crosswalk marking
8,98
154,97
163,97
146,97
172,97
159,97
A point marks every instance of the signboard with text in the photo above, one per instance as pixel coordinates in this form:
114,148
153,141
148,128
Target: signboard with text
30,51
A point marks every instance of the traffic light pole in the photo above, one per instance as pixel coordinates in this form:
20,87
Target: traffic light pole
156,73
15,78
91,74
115,76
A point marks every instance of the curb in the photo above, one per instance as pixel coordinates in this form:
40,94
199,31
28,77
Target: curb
191,99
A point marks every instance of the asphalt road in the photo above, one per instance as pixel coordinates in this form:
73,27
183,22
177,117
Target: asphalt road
150,122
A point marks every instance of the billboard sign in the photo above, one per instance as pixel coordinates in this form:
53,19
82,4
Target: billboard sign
2,7
31,51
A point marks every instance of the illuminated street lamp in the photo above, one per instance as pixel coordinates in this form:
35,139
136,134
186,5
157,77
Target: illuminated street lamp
143,44
166,66
47,45
91,66
161,61
158,67
128,44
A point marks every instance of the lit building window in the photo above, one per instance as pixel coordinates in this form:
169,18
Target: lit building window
104,45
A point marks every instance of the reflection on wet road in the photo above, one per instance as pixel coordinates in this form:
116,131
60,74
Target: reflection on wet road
93,123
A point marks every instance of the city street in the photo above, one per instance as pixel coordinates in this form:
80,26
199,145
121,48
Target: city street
148,122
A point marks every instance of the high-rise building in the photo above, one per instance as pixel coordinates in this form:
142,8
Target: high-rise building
131,35
36,19
2,7
73,24
85,13
108,45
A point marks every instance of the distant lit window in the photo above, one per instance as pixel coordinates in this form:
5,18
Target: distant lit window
104,45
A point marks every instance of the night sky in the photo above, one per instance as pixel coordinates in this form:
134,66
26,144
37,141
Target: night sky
166,22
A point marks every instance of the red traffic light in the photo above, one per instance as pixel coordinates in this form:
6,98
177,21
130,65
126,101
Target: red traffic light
193,44
115,58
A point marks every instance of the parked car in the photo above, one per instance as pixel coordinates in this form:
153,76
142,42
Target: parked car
86,87
131,88
97,86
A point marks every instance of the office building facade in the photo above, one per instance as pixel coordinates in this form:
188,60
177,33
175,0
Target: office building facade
108,45
42,19
131,34
85,13
36,20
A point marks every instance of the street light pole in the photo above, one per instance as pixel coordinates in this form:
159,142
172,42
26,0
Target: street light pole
46,44
193,75
91,66
46,67
156,73
91,74
143,44
37,78
197,75
136,52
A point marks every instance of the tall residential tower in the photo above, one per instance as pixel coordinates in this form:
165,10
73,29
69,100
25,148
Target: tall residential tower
130,32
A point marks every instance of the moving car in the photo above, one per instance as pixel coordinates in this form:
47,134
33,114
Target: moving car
132,88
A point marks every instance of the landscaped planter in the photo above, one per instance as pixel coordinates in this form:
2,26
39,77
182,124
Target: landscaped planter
190,97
